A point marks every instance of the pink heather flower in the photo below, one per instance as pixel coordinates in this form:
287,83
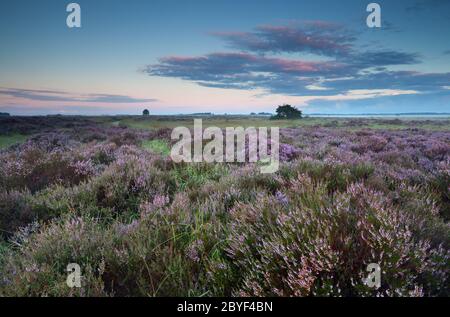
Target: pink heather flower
125,229
84,168
194,250
160,200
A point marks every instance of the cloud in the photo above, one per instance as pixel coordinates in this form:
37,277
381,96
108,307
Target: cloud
406,80
447,52
293,77
258,64
26,110
315,37
211,66
61,96
246,71
397,103
107,98
383,58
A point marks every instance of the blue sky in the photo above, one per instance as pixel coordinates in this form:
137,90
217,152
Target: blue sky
224,56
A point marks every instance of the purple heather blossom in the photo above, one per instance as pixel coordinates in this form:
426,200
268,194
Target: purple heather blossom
282,198
125,229
160,201
194,250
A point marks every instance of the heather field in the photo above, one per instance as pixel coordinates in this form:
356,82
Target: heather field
103,192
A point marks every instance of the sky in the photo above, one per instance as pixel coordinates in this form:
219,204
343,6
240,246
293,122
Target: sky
224,56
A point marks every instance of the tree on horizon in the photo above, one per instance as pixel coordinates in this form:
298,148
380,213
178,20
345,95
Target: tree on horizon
145,113
287,112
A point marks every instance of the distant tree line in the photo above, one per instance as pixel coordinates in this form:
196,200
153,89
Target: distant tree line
260,114
283,112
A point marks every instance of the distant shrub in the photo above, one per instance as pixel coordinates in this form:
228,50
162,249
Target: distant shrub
287,112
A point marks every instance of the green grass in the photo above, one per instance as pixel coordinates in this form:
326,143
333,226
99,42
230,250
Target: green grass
3,249
159,122
8,140
195,175
152,123
156,146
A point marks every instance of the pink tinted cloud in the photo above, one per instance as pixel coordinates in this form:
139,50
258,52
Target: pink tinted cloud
317,37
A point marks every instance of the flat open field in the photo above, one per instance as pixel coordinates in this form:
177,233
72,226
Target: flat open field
159,122
8,140
104,193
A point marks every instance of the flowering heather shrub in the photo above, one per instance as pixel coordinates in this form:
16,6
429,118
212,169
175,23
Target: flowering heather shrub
41,162
123,176
141,225
319,246
241,185
20,208
14,211
372,143
42,268
412,155
437,150
98,153
288,152
163,252
128,181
